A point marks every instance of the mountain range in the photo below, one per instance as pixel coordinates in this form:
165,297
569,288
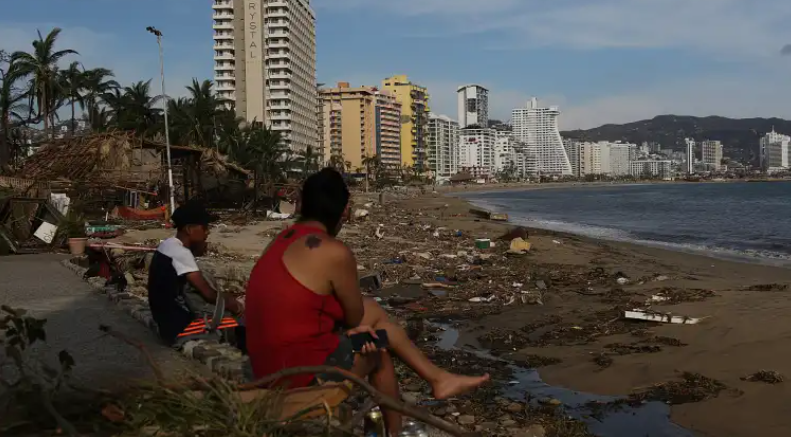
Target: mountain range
739,137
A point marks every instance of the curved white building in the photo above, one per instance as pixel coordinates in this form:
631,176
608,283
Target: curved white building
538,129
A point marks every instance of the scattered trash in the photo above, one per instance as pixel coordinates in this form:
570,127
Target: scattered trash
661,317
271,215
622,281
360,213
519,246
371,283
767,376
483,243
379,234
557,242
655,298
483,299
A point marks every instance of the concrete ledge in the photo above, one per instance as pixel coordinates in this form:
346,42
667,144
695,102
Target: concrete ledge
224,360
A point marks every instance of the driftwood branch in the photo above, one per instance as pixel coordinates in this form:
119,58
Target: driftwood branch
378,397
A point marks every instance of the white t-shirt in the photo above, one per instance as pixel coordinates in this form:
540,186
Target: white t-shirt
182,258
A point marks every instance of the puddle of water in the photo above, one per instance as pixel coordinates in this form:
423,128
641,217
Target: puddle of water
651,419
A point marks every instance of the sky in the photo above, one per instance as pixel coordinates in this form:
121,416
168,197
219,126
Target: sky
601,61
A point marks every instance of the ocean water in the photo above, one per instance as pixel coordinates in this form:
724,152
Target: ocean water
747,221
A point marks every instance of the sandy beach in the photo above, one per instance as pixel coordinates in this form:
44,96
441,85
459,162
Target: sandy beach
746,330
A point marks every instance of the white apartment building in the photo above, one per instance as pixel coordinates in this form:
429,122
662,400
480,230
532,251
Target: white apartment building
525,161
473,104
775,152
590,159
690,157
573,152
504,152
620,155
650,169
476,151
443,145
265,64
711,154
537,128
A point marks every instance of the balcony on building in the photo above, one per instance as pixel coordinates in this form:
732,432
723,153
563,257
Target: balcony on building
224,25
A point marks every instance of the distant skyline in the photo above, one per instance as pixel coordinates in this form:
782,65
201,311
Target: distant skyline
608,61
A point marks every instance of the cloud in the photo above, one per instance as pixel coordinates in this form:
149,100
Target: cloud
786,50
722,27
727,97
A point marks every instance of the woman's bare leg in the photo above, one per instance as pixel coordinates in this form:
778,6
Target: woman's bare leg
382,375
444,384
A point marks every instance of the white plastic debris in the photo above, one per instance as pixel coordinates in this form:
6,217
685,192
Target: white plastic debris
277,215
622,281
661,317
379,233
360,213
482,299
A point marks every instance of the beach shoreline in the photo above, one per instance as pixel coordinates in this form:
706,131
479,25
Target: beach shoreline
516,186
734,341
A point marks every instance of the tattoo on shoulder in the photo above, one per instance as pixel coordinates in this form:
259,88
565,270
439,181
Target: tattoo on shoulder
313,242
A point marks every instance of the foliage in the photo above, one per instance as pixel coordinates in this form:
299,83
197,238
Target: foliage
73,225
27,380
41,67
34,88
215,410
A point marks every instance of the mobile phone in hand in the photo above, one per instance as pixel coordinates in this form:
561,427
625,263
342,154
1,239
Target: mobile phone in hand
359,340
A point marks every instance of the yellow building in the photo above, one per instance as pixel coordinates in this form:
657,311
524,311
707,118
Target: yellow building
360,122
414,119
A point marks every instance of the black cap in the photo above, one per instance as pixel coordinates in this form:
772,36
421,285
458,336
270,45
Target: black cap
191,213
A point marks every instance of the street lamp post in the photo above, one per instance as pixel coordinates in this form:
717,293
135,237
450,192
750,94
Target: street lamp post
158,34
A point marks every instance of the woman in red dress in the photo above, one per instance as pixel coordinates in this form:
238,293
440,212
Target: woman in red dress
303,302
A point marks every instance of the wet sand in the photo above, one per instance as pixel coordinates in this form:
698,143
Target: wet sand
744,331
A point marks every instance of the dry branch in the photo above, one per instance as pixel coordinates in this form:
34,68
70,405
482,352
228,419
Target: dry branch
378,397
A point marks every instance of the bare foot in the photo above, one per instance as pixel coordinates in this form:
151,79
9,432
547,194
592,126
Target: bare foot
450,385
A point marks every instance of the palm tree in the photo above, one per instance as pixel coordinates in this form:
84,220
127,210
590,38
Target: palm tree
134,109
337,162
309,161
205,108
262,151
72,82
13,112
372,164
41,66
97,82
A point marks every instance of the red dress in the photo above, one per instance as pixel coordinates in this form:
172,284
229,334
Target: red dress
288,325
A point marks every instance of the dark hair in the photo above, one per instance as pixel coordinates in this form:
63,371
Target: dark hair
324,198
191,213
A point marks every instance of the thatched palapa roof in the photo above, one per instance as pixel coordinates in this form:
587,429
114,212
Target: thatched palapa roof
115,157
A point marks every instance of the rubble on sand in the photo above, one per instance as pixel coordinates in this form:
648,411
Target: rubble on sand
693,387
767,376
